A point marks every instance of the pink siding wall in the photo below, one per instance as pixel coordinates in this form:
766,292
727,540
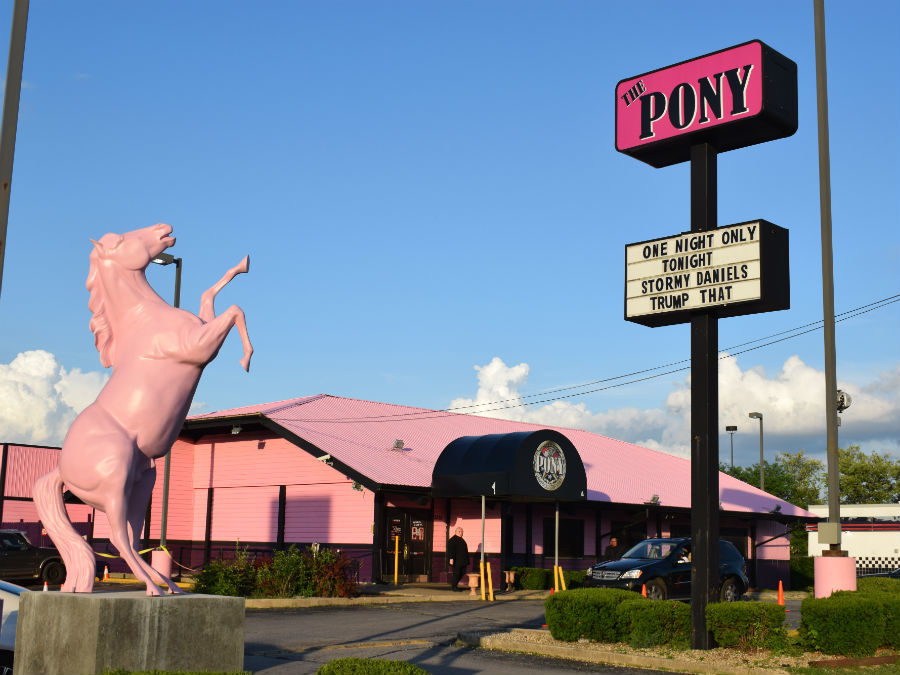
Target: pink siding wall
245,514
328,513
181,502
245,472
27,465
439,530
777,549
467,514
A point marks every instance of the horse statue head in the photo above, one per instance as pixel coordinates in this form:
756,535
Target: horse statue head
133,250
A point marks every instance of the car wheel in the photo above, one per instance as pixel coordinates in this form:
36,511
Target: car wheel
54,573
656,589
731,592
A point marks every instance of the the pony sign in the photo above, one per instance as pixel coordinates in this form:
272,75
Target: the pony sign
732,98
157,354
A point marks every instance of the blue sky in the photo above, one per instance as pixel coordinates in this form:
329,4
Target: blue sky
427,187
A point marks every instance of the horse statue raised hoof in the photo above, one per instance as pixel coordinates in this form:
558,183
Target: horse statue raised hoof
157,353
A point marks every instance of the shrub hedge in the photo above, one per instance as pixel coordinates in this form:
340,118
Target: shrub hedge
357,666
586,613
847,623
323,573
747,625
647,623
878,585
541,579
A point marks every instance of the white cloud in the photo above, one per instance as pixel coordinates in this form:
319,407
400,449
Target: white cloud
792,403
39,398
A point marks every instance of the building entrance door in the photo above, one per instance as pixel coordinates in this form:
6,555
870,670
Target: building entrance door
409,534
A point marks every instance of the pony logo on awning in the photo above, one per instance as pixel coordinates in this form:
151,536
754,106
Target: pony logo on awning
549,465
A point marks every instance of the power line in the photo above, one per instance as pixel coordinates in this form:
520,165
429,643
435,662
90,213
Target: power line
520,401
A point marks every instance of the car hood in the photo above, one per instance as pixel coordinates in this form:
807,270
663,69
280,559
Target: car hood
626,564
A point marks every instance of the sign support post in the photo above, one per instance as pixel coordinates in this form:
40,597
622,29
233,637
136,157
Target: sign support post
693,110
704,414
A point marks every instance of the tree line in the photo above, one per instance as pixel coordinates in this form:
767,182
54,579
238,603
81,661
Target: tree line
802,480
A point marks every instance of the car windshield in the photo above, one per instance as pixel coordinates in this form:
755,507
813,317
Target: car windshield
652,549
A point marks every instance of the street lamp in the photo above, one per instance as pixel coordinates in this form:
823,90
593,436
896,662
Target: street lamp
168,259
762,474
731,429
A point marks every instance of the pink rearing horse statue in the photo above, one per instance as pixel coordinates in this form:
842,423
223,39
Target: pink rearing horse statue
157,354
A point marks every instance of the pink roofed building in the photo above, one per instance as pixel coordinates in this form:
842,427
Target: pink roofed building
358,476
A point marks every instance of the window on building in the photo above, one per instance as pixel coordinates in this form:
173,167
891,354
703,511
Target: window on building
571,537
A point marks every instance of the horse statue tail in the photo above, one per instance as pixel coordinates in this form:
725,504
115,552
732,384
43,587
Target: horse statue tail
76,553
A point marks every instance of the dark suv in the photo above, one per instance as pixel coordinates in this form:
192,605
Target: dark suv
20,560
664,567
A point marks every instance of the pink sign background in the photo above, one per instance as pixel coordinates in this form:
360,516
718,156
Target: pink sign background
628,117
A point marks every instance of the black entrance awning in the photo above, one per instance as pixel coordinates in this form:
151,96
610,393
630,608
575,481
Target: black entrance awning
525,465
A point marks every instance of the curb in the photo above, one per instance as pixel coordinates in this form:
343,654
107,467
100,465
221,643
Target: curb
588,652
380,599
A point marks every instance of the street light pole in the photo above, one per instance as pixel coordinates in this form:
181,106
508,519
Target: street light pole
168,259
762,464
10,120
731,429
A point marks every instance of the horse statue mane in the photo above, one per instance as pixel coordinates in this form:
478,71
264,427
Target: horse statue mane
157,353
103,336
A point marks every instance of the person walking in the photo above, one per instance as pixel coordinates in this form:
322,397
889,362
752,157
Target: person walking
458,557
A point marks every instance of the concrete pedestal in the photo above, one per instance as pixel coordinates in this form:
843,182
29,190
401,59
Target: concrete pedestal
833,573
87,633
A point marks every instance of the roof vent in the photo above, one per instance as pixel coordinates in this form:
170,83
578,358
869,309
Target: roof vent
398,445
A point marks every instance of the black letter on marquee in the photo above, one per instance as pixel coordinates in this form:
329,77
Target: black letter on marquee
682,106
738,89
653,106
711,97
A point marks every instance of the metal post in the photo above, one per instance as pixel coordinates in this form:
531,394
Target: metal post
167,471
556,538
704,415
482,546
731,429
762,461
11,115
831,448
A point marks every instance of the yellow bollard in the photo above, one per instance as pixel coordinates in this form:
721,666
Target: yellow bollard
555,578
490,583
396,559
481,565
562,579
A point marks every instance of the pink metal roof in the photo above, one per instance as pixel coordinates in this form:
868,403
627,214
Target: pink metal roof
360,434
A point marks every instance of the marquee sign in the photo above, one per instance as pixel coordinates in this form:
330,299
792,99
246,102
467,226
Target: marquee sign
733,270
732,98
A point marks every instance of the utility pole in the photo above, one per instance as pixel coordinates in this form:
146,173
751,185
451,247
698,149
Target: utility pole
11,116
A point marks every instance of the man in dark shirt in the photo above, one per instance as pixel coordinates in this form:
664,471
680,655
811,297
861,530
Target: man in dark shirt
614,551
458,557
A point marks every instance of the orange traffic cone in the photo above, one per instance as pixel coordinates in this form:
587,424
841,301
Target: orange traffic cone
644,590
46,588
780,594
106,573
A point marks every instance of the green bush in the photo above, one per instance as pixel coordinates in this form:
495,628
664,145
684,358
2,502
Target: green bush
747,625
847,623
235,577
573,578
586,613
290,573
540,579
801,571
533,578
878,585
647,623
356,666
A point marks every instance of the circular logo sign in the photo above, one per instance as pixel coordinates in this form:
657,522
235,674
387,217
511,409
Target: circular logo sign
549,465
